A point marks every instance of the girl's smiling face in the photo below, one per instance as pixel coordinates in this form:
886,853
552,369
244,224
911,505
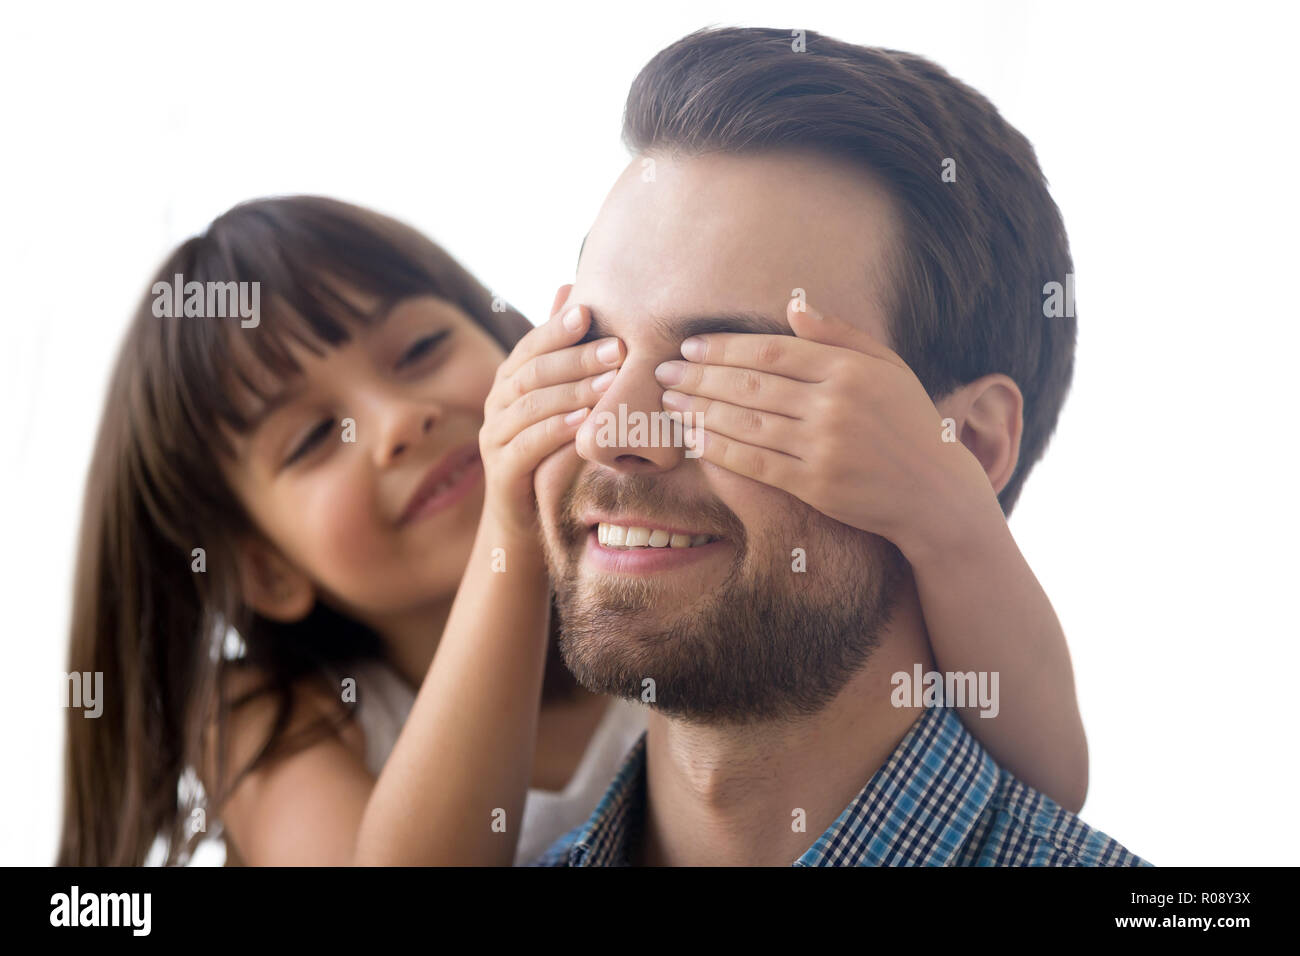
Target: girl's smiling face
337,471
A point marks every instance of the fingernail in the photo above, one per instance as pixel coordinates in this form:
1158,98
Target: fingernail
574,417
602,381
573,318
675,400
798,304
670,373
693,348
607,352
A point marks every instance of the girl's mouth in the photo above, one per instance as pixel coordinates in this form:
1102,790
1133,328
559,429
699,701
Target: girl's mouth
447,482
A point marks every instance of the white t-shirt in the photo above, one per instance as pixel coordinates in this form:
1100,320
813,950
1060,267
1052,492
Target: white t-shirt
384,701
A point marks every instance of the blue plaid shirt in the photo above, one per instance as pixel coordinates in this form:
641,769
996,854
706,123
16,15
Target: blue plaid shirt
939,800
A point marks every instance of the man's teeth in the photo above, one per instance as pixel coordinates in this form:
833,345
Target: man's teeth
622,536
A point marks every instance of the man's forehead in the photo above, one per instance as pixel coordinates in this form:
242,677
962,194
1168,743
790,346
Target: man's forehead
734,238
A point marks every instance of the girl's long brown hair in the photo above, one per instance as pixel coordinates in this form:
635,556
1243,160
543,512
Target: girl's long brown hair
154,627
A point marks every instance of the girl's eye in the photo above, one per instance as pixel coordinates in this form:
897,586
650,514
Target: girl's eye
422,347
314,438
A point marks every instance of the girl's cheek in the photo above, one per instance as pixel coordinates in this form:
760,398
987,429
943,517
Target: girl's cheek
340,520
464,381
469,387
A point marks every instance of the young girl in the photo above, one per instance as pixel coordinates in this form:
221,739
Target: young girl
283,522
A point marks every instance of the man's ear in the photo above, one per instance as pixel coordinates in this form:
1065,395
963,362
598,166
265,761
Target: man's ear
990,420
271,585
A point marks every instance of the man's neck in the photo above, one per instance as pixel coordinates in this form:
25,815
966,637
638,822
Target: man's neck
761,795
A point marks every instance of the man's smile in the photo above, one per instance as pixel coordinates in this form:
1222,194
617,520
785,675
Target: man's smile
638,549
640,524
627,543
625,530
624,536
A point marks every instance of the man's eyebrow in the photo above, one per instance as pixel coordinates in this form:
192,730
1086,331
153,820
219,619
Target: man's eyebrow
682,327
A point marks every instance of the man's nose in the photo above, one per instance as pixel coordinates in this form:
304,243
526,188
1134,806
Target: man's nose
628,430
402,424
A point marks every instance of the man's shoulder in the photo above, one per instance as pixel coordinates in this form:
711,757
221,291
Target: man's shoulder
1023,827
963,809
557,854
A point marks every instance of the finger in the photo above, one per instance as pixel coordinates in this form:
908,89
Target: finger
740,386
761,464
813,326
524,452
761,429
565,365
563,328
799,359
542,403
561,297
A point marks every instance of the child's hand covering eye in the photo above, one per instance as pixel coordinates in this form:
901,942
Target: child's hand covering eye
541,395
833,417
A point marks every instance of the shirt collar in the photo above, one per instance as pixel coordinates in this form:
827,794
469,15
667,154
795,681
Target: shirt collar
603,841
917,810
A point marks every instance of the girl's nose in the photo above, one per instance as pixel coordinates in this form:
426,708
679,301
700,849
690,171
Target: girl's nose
402,429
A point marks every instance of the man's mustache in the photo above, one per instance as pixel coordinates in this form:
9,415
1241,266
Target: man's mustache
645,495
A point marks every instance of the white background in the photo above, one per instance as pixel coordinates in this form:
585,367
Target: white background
1162,521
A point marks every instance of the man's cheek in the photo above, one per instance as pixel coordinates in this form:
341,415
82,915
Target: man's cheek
552,479
768,515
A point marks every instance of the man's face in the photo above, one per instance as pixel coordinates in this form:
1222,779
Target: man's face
729,631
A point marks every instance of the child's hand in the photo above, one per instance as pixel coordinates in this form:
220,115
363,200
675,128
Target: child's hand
542,392
832,417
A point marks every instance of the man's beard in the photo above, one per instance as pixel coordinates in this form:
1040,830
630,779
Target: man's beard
770,643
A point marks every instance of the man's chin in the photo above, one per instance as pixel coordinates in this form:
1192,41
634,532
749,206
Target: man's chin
621,653
726,637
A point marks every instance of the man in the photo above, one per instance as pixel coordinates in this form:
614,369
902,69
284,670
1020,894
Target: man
897,198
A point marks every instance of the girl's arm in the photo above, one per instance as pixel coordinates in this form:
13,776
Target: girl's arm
453,789
986,612
463,760
465,750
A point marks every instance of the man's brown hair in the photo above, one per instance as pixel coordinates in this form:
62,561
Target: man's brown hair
967,296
